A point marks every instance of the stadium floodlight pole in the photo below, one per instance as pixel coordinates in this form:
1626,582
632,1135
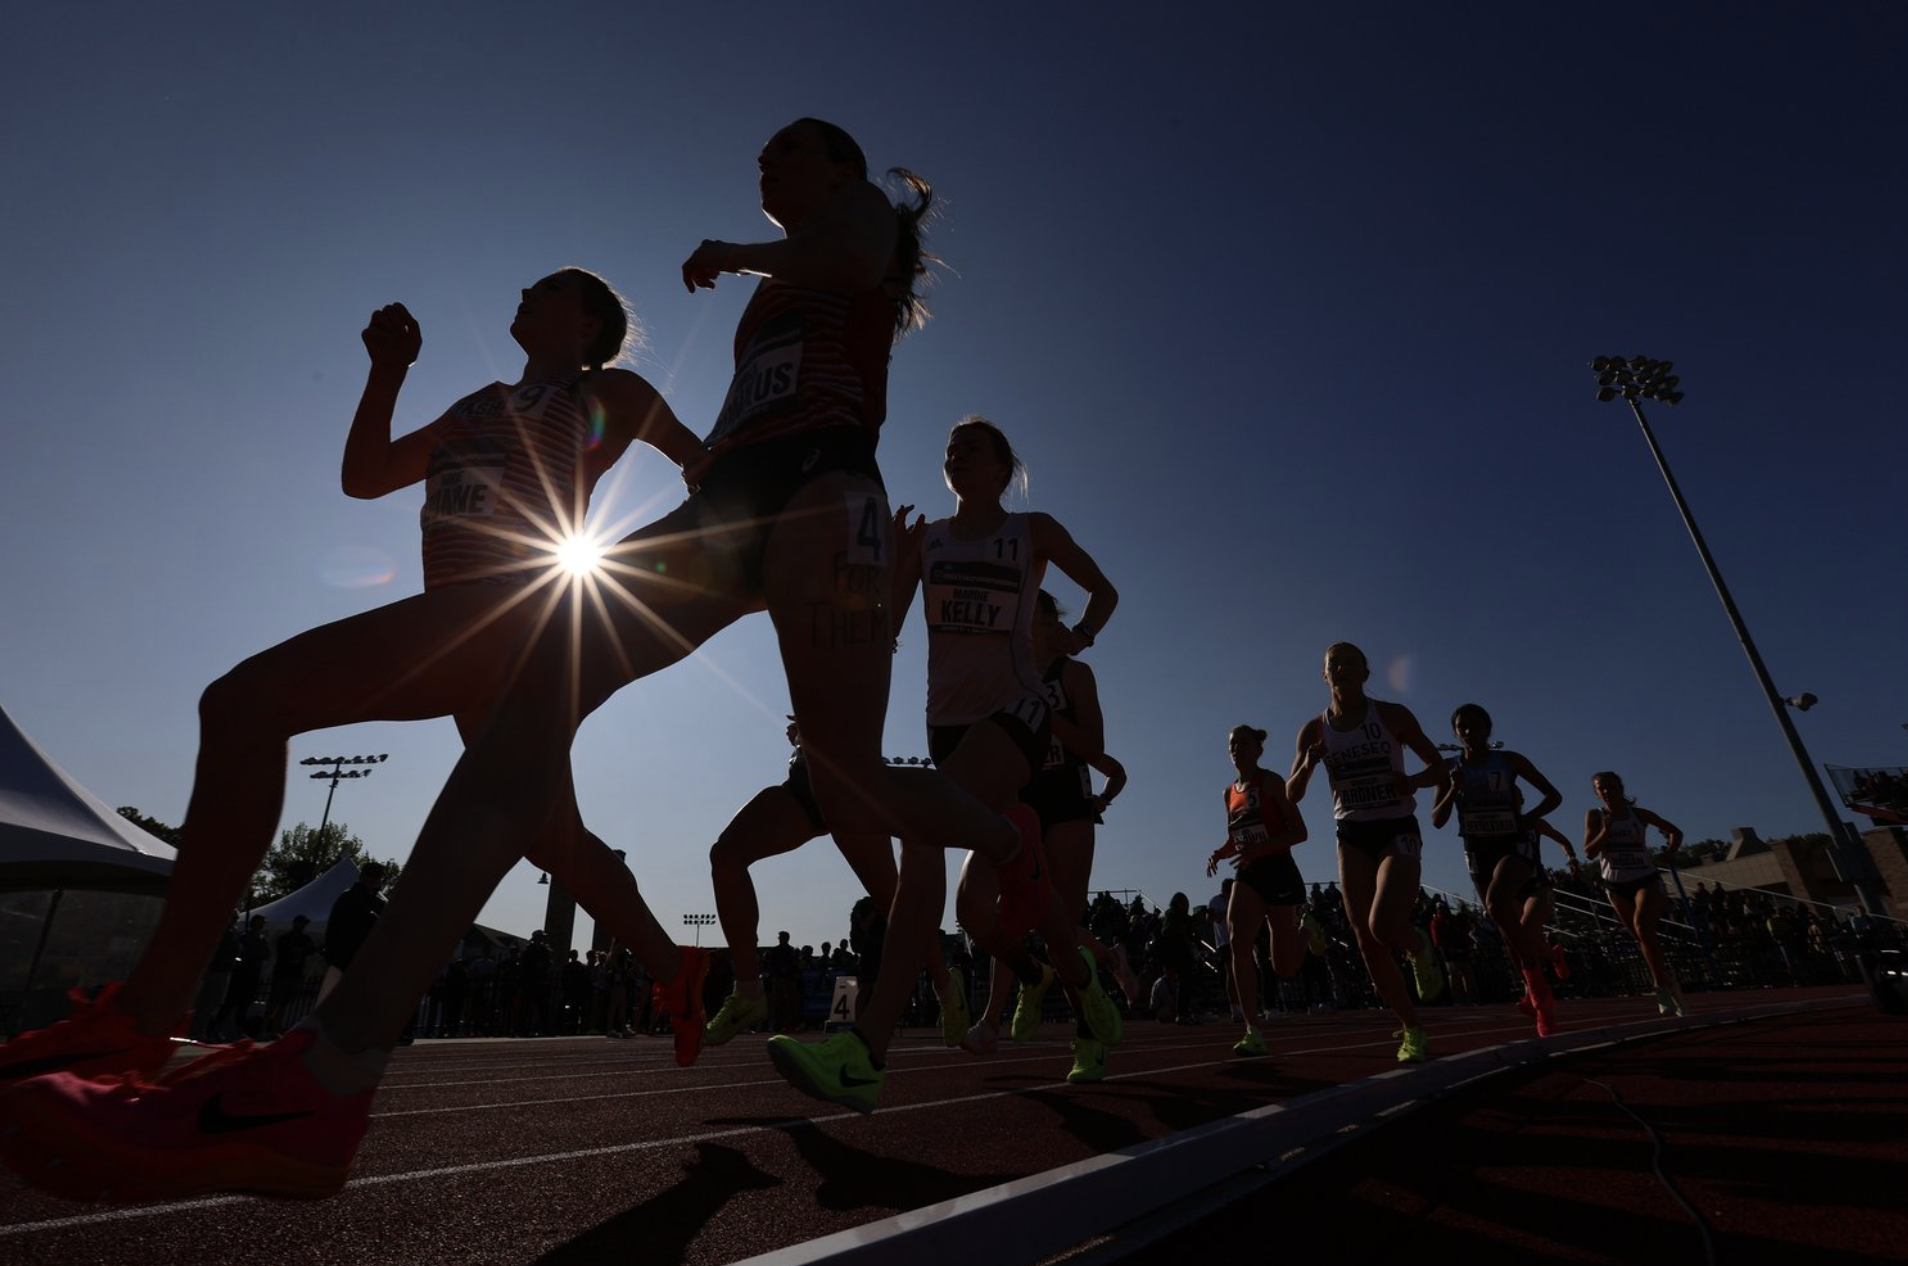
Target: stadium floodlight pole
1638,379
699,922
339,772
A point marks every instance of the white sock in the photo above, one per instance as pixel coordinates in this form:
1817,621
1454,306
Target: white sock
338,1071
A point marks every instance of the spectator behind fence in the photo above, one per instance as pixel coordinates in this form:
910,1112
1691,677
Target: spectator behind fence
290,952
353,915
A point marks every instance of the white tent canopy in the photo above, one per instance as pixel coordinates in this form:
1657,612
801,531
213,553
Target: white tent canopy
56,834
314,900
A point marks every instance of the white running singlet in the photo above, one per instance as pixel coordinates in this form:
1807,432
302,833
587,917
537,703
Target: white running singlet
1626,854
1362,762
979,601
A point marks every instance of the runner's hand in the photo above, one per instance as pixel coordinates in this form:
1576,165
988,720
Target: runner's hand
700,270
908,536
392,337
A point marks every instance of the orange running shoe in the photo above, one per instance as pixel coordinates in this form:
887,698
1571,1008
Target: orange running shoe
1024,883
682,999
96,1040
247,1118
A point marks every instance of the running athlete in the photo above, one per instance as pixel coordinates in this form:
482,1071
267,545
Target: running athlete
1262,826
1500,847
1613,837
1540,901
507,471
989,720
778,820
788,515
1061,793
1361,742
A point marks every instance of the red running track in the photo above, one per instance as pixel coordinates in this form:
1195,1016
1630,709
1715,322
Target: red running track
587,1151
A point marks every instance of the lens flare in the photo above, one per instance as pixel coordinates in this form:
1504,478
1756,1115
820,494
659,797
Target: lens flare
1398,673
579,555
357,567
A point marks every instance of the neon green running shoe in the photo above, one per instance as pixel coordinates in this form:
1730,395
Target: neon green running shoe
1412,1049
835,1070
1668,1003
1250,1044
1425,971
1100,1012
954,1019
1027,1009
1089,1061
739,1012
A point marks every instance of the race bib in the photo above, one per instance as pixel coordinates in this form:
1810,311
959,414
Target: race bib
466,480
767,377
972,597
1249,834
1493,820
867,529
1371,791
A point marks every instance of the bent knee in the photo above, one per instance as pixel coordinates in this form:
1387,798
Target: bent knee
247,698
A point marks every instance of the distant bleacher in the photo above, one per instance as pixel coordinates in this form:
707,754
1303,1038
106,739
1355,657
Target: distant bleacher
1880,795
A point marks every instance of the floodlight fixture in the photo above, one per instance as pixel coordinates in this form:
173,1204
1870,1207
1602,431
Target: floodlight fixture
1645,379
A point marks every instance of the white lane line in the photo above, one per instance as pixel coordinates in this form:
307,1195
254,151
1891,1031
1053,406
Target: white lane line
1033,1057
107,1216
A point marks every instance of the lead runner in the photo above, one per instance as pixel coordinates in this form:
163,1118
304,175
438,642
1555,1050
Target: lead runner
789,515
1361,742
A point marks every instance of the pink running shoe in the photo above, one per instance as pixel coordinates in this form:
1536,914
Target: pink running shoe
96,1040
682,999
242,1119
1024,883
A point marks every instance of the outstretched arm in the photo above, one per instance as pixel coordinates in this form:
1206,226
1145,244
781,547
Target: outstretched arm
848,249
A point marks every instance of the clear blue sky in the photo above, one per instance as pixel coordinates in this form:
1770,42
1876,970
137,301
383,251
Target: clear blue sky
1287,307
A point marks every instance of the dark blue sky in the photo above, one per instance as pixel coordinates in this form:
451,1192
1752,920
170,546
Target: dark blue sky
1288,312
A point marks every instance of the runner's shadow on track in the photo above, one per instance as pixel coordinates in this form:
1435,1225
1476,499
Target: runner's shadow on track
1102,1129
854,1179
661,1229
1182,1107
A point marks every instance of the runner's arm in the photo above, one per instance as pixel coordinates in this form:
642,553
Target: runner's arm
1053,543
1085,735
907,566
374,464
1115,779
848,250
636,411
1596,825
1668,828
1521,766
1311,753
